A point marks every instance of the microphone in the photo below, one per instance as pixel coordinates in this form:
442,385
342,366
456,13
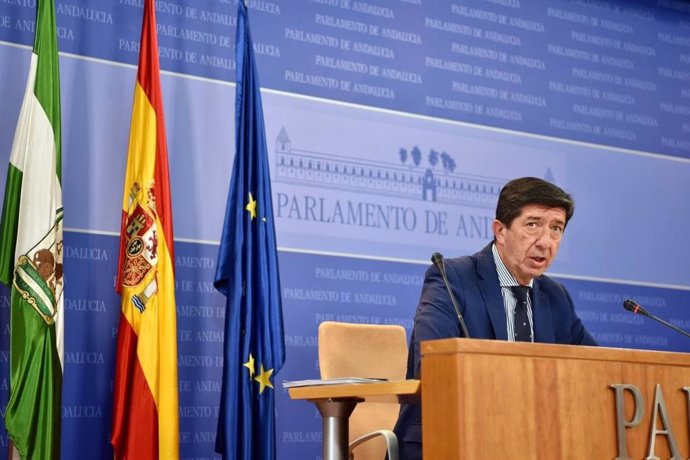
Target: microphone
636,308
437,260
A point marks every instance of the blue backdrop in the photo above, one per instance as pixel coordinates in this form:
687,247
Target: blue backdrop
391,126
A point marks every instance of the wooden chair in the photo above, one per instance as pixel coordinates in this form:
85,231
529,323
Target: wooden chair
372,351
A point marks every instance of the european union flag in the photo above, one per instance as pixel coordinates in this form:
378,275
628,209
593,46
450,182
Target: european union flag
247,275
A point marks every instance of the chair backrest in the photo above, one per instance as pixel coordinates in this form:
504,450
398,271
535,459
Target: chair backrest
365,350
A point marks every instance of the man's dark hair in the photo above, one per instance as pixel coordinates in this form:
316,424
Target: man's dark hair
524,191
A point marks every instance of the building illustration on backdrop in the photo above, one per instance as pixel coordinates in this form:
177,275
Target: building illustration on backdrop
432,177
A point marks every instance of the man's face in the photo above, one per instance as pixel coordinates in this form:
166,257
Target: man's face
530,244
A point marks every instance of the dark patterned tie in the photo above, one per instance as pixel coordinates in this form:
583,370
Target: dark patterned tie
523,333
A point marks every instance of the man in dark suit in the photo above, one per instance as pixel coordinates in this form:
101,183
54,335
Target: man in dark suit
502,291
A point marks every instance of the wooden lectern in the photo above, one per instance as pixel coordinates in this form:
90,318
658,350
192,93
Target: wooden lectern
486,399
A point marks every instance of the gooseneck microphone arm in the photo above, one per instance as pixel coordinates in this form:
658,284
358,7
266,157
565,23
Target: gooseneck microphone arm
636,308
437,260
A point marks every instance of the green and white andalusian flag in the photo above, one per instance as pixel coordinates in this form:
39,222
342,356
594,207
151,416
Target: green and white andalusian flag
31,254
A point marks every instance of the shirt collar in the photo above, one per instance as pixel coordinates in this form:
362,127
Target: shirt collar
505,278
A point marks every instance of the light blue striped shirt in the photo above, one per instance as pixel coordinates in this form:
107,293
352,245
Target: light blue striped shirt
506,280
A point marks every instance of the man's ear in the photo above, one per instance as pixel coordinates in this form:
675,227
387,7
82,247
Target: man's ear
499,229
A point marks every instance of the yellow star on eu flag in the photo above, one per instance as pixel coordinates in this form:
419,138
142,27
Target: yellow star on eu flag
251,206
250,365
264,379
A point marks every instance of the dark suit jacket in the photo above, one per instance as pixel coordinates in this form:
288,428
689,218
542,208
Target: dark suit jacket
474,281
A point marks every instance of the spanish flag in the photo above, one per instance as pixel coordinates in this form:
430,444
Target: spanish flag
145,408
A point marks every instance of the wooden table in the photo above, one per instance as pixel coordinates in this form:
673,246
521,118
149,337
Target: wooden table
336,403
